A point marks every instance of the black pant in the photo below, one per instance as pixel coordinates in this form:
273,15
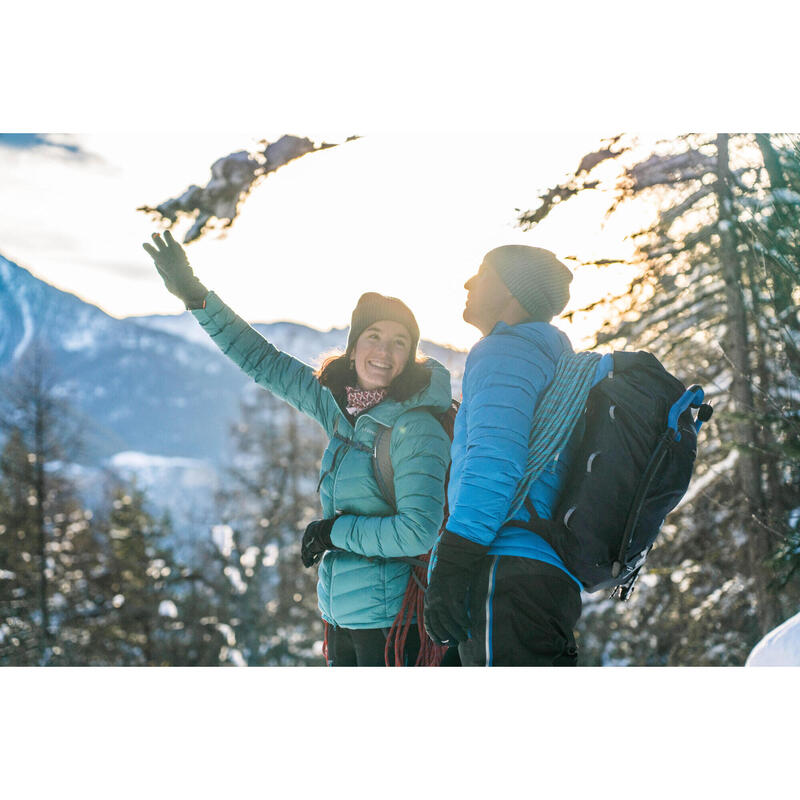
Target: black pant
522,614
350,647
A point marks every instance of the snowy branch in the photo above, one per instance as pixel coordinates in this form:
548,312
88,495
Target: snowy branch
573,185
670,169
232,178
671,214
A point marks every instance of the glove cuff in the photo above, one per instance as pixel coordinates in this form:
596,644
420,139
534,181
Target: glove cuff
461,552
323,532
197,300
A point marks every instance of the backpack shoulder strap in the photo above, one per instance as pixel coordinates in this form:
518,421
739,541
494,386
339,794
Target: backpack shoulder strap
381,459
382,465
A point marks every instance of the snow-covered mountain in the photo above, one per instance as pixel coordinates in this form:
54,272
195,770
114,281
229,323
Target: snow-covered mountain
307,344
154,385
299,340
136,387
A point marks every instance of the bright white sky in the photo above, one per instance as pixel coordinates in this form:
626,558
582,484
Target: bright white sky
405,214
409,209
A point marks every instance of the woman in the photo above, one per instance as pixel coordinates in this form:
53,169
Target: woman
378,383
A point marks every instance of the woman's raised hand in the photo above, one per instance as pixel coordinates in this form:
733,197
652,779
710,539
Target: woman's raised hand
173,266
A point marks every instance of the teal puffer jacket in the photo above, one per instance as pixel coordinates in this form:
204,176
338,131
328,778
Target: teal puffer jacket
360,585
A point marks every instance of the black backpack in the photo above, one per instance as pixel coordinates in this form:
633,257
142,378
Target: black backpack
632,467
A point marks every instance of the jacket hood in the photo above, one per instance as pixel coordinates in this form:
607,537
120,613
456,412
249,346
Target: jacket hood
437,393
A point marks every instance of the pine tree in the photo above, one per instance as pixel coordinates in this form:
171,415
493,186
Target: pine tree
79,587
41,518
713,276
268,500
775,266
135,587
22,640
202,595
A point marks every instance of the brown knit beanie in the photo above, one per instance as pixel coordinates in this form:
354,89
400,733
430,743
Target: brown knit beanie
534,276
374,307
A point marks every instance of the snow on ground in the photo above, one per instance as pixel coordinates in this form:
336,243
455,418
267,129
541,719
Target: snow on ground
779,648
150,467
170,482
183,486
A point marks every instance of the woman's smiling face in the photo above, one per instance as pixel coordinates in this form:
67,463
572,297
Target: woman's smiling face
381,354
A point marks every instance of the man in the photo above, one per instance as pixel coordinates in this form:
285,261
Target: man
497,589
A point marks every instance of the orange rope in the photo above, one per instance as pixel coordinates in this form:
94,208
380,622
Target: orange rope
325,643
413,605
430,654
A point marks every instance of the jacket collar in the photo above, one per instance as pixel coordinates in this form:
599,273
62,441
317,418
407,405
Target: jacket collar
556,339
436,396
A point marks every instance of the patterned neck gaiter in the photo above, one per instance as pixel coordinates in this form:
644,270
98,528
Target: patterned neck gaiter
359,400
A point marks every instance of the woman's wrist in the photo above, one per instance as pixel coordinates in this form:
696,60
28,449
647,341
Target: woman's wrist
196,301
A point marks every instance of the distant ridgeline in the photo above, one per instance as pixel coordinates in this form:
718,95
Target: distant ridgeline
154,385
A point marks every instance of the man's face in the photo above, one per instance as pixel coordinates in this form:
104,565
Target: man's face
487,298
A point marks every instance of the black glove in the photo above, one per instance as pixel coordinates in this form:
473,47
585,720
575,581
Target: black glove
173,266
316,540
446,610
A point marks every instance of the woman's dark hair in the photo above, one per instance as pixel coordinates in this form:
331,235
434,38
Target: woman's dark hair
337,372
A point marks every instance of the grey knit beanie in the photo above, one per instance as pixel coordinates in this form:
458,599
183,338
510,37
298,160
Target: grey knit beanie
374,307
534,276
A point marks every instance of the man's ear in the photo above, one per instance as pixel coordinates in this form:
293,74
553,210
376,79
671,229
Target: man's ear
514,312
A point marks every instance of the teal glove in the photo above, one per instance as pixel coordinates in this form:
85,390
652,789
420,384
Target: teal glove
173,267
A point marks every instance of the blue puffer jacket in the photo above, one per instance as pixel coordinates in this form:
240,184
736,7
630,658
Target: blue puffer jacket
505,374
361,584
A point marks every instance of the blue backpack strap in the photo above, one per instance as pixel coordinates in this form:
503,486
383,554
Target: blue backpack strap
693,397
